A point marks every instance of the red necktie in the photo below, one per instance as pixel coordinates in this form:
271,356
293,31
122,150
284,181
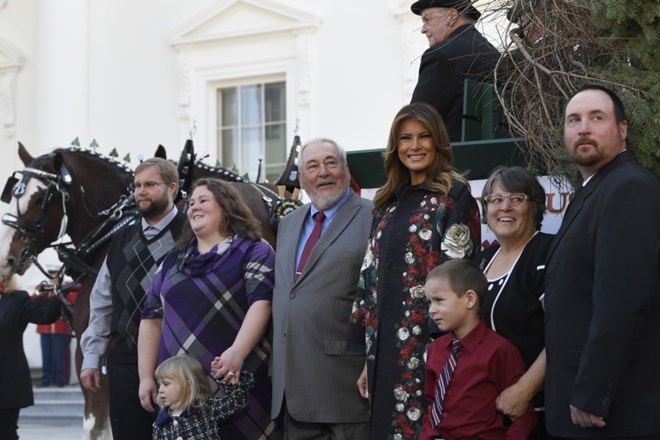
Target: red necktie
311,242
443,383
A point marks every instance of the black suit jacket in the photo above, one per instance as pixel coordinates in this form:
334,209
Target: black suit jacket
444,68
602,306
16,310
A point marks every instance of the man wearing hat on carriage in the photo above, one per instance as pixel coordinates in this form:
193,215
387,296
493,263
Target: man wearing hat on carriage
457,51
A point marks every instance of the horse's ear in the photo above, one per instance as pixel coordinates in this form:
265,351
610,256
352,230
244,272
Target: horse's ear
26,158
160,152
188,154
58,160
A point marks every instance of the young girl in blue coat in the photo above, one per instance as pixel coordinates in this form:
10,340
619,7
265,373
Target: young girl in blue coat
188,409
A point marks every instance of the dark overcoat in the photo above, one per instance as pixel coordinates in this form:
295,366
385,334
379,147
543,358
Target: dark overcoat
444,68
602,306
17,309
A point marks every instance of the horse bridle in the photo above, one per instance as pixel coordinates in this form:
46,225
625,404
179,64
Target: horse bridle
118,215
30,230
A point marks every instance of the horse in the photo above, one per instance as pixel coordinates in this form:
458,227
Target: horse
60,193
265,200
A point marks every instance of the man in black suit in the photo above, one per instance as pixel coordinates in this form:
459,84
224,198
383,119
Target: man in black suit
456,51
602,298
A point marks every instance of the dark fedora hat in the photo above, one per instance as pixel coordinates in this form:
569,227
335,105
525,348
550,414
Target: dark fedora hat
465,6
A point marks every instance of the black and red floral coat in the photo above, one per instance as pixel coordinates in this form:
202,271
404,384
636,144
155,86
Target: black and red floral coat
417,230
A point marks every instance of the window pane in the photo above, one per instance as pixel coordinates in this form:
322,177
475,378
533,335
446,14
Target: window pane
251,104
250,151
276,150
228,111
275,144
252,122
275,99
229,147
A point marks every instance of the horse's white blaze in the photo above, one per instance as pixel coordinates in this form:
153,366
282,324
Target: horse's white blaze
6,232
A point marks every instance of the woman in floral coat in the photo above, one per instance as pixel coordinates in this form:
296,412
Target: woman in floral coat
424,215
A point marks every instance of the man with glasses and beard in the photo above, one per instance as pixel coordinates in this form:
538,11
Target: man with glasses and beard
118,293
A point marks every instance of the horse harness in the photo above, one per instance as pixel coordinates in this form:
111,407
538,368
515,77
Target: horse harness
118,216
29,230
188,161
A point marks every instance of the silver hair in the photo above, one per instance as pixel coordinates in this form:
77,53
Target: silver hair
320,140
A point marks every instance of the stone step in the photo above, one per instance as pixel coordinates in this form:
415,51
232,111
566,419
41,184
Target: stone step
54,406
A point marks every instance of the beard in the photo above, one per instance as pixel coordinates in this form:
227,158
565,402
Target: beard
326,201
155,207
585,158
585,161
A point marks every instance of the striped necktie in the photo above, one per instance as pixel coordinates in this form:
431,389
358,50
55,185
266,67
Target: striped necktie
443,383
311,242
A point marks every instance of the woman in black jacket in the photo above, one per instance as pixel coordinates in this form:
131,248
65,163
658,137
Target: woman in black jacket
513,203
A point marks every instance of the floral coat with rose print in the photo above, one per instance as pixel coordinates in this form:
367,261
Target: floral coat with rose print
411,234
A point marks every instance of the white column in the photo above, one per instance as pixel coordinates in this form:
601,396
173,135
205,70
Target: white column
62,65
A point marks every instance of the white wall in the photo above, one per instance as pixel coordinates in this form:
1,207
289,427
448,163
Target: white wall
108,70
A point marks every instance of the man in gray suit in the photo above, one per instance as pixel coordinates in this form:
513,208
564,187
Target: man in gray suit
314,370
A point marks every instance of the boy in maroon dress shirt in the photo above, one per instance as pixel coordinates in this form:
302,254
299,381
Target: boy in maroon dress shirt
467,368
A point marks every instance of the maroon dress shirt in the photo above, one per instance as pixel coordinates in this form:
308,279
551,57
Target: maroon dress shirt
487,364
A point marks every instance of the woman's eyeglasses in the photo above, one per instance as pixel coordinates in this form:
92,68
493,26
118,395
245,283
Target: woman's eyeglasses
515,199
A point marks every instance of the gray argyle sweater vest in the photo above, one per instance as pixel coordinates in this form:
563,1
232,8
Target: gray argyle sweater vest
132,262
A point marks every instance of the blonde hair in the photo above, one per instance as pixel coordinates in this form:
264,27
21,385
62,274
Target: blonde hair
8,286
189,376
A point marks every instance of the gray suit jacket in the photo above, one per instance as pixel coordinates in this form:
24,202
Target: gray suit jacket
311,360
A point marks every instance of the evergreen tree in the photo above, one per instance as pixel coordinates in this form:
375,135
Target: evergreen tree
561,45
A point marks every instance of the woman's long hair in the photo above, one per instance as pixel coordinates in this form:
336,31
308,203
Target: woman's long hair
440,177
238,219
189,376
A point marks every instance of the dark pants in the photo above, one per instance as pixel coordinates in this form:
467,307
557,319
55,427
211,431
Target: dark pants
296,430
128,420
53,355
9,423
540,432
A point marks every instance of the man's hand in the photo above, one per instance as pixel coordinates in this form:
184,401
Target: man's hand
586,420
90,378
148,393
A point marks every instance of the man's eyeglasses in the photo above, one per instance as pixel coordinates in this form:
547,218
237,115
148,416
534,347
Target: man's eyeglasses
147,185
515,199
